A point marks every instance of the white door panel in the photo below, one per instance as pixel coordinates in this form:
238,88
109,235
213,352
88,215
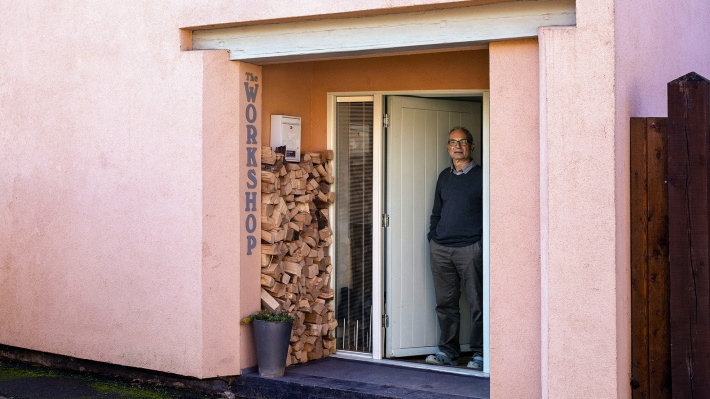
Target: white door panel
416,153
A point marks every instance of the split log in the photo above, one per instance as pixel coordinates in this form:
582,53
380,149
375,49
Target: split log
268,156
268,302
267,281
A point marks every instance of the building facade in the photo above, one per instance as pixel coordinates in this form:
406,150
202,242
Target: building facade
128,135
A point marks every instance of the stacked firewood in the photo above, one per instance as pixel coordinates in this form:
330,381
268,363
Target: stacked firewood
295,238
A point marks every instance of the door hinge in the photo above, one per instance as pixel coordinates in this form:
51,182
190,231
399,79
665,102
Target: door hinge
385,220
385,120
385,321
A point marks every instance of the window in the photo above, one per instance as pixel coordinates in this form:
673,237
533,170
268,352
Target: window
353,266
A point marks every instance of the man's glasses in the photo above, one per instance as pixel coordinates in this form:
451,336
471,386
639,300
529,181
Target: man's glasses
453,143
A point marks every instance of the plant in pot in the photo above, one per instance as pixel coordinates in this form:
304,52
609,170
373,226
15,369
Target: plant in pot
272,333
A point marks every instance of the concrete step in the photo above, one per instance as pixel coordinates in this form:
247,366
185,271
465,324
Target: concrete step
344,378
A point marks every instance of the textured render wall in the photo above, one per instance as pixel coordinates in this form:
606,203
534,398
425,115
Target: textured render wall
108,249
654,45
101,190
615,64
584,341
515,220
230,275
94,202
250,176
229,12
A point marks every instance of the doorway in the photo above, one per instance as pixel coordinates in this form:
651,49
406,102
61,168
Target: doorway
386,168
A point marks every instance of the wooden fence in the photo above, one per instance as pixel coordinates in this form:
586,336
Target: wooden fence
670,246
689,235
650,278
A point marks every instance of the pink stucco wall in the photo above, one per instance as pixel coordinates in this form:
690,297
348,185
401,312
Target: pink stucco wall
117,234
613,65
227,12
92,201
515,220
121,240
122,169
582,345
230,274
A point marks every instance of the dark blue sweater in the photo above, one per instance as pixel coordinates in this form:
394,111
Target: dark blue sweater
457,215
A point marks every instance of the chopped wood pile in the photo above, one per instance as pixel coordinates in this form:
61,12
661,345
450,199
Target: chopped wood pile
295,238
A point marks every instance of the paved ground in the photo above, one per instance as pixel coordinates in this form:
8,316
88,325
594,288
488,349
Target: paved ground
342,378
326,378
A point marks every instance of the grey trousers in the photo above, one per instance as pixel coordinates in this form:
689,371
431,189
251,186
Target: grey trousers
454,269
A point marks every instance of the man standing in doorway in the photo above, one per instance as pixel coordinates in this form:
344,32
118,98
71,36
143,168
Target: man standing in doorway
455,233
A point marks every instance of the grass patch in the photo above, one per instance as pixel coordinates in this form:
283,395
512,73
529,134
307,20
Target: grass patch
10,371
16,373
106,388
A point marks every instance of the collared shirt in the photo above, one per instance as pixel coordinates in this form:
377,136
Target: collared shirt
463,170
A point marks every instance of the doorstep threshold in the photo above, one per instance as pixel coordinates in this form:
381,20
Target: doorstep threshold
403,363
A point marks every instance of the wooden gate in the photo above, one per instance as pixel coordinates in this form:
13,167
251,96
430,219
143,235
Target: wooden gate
650,276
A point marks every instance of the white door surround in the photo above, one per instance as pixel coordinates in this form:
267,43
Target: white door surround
378,238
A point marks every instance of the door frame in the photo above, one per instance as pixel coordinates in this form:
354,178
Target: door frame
378,205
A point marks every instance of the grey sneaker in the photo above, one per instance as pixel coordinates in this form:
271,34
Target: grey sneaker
441,359
476,363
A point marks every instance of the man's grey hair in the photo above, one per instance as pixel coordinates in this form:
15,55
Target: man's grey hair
469,136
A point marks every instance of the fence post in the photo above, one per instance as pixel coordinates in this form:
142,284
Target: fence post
650,283
688,184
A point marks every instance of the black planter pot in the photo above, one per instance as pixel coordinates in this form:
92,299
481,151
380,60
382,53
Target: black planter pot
271,340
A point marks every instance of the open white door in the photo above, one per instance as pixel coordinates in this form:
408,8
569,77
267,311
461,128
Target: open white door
415,154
